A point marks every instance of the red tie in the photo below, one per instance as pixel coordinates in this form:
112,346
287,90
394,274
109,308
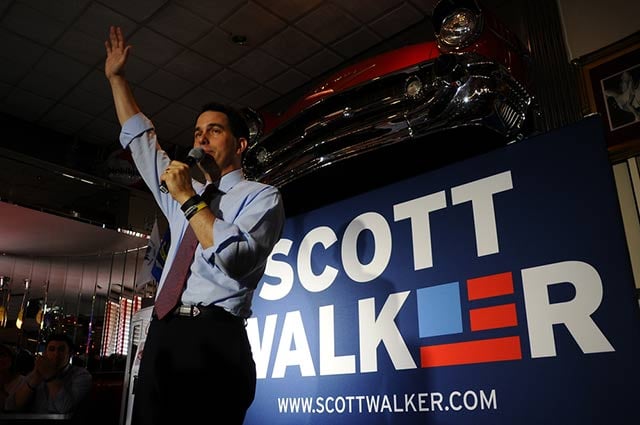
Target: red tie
177,277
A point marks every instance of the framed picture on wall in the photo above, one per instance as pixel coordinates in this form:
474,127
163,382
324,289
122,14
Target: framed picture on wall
611,86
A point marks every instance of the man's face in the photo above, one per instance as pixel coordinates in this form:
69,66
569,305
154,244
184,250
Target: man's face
213,135
58,352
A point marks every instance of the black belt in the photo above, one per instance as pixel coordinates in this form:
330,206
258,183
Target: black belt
210,311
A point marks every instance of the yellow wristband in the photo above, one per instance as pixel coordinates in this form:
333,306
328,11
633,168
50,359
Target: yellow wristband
191,211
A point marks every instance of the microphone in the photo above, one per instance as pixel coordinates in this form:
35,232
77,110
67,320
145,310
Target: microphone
194,156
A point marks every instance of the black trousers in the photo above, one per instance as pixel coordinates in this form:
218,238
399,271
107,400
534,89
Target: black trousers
195,369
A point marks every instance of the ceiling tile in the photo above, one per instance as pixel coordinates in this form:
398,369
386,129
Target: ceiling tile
287,81
327,23
65,119
178,114
149,102
89,102
192,66
62,10
290,10
64,67
153,47
215,14
217,45
258,98
54,75
356,42
32,24
263,24
137,69
396,20
184,139
167,84
229,84
96,83
49,86
259,66
291,46
166,130
101,131
110,115
25,105
21,53
4,89
366,10
179,24
97,19
199,96
139,10
4,4
81,47
425,6
319,63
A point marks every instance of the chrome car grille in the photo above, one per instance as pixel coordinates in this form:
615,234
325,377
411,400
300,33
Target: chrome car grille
459,90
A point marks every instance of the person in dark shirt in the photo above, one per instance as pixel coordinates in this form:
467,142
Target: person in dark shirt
54,385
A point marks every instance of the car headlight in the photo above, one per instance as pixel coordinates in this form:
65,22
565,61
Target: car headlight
459,29
413,87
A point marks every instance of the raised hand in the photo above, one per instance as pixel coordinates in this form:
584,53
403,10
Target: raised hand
117,53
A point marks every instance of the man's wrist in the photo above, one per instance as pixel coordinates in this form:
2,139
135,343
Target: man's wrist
190,202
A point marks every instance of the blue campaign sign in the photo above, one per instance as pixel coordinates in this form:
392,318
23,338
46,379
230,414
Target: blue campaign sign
496,290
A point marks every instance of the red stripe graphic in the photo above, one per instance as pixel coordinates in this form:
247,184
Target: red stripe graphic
499,316
483,351
490,286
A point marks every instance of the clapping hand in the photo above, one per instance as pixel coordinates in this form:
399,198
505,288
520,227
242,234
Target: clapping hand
45,367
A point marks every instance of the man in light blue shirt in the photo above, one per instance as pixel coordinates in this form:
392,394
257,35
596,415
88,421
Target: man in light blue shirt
197,361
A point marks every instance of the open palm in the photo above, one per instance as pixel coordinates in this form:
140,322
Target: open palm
117,52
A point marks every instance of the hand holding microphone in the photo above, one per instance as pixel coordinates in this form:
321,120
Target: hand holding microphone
194,156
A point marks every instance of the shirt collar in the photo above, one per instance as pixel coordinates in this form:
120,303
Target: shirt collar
226,182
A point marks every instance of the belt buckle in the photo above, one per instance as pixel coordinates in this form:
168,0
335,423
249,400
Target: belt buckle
188,310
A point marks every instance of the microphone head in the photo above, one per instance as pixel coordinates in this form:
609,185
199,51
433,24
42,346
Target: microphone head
194,156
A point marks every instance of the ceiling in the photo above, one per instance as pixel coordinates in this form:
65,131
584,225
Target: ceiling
56,103
183,56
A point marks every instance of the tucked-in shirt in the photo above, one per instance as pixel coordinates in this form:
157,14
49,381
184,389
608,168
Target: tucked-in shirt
249,221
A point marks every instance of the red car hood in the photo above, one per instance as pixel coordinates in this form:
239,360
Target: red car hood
364,71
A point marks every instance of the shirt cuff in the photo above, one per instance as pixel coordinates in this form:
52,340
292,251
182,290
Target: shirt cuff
134,127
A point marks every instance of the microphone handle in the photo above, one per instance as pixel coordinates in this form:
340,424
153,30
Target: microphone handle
190,161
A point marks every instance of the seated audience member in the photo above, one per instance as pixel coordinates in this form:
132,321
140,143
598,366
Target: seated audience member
10,378
54,385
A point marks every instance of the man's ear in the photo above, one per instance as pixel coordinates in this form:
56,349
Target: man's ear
242,145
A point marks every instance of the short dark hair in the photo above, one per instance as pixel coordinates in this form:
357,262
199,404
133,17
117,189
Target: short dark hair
61,338
237,123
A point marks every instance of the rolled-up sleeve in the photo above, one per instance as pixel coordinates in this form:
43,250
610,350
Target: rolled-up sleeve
139,137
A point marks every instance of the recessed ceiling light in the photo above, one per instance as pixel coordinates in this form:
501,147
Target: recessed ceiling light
239,39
